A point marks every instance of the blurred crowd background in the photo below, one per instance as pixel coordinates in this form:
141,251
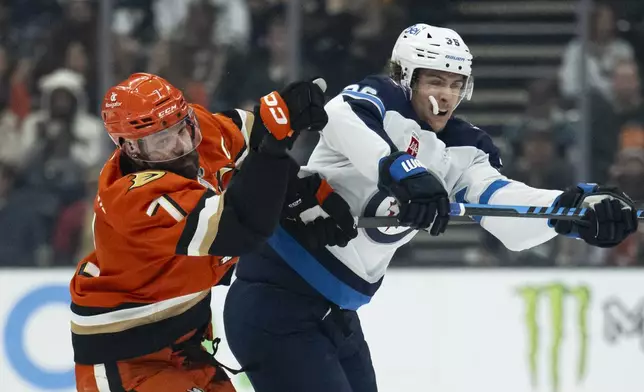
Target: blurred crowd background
562,101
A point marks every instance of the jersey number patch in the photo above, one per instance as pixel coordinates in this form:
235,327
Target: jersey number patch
365,89
146,177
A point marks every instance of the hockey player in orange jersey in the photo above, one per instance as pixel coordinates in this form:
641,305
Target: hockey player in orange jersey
170,220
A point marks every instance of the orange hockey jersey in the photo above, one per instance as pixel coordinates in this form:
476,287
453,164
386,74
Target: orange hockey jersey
148,281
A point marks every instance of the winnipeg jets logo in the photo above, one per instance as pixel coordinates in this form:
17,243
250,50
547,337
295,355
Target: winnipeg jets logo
381,204
392,210
414,30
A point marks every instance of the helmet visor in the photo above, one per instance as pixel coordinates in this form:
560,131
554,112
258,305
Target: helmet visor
444,93
172,143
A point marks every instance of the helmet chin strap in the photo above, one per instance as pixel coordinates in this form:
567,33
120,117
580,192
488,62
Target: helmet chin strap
432,100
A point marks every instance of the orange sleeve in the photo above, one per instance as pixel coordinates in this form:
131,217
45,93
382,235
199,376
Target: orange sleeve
226,135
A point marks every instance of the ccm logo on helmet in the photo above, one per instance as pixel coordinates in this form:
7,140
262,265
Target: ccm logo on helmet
168,111
277,113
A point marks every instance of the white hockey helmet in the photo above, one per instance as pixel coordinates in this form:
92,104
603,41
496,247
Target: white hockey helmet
431,47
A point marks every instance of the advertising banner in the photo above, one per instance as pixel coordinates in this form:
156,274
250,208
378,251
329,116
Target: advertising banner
508,330
429,330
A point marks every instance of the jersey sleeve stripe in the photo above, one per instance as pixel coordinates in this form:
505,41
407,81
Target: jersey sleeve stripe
191,224
367,97
208,224
201,225
244,121
248,119
121,320
491,189
89,270
174,319
235,116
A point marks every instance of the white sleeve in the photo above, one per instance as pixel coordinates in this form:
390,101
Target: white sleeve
472,179
348,133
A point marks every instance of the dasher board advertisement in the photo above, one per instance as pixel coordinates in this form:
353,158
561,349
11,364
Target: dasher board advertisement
516,330
429,330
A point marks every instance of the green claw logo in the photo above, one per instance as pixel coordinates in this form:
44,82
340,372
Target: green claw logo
555,295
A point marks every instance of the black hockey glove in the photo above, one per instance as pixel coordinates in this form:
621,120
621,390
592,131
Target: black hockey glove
422,198
280,117
609,219
308,194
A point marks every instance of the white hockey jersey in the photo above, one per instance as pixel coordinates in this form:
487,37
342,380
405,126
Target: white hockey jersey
367,122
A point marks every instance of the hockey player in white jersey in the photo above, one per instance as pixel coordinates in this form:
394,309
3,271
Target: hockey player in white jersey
391,147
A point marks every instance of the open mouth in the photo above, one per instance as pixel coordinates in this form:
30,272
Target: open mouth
442,113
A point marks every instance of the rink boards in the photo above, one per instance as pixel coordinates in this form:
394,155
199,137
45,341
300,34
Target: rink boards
429,330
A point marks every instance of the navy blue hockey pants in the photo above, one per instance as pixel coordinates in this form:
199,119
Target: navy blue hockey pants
289,342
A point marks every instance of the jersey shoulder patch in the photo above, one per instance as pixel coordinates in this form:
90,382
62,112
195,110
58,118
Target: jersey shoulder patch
389,94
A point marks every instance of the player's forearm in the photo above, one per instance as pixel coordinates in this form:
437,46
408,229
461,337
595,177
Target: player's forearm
253,204
520,233
480,183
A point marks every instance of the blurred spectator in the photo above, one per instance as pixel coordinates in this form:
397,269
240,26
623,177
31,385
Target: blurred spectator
233,23
623,113
197,61
605,50
135,18
542,113
250,75
26,24
10,149
538,165
64,118
73,236
232,20
73,43
25,219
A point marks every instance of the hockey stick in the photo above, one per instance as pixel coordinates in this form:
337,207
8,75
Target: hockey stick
462,211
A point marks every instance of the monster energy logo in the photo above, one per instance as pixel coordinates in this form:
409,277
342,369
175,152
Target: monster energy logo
555,295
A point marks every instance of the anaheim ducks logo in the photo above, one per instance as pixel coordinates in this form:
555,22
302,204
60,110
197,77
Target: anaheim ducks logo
146,177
